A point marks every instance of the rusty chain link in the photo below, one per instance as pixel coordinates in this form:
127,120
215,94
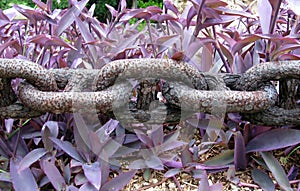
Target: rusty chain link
182,87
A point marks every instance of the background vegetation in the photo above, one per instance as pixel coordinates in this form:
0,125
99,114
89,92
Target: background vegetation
101,11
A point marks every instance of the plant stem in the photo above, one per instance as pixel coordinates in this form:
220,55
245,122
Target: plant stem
151,39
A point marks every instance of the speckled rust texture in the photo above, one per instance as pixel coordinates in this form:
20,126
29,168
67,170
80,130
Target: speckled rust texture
68,90
32,72
265,72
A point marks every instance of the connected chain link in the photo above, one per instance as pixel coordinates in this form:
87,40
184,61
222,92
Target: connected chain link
177,85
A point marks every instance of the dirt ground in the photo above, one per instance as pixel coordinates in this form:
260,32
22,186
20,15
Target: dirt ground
242,180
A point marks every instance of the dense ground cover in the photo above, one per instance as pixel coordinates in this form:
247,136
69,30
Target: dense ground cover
53,152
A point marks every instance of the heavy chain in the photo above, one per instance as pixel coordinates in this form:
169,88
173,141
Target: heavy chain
182,87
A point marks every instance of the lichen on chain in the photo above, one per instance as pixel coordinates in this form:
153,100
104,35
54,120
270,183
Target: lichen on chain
150,68
275,116
69,102
207,101
35,74
265,72
186,81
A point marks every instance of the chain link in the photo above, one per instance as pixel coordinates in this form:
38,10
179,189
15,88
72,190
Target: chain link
183,87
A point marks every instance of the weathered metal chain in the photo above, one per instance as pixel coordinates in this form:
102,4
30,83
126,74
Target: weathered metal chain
79,90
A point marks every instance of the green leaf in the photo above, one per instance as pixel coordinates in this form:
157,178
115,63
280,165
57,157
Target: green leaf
277,171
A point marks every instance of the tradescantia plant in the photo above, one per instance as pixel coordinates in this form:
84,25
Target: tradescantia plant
65,152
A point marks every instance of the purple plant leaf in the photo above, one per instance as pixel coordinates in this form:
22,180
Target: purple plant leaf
110,147
49,129
173,164
231,42
71,188
123,5
80,179
83,134
196,173
284,49
154,9
46,40
22,148
56,41
274,139
288,57
157,135
172,172
126,44
226,19
207,57
238,64
216,187
186,157
53,174
231,175
4,17
93,174
190,15
13,43
68,18
31,158
136,13
73,55
167,41
87,186
118,182
87,36
240,160
164,17
8,125
293,173
277,170
105,170
40,4
68,148
143,138
154,162
138,164
194,47
228,11
226,157
107,129
264,10
23,180
169,5
263,180
172,145
81,146
112,10
95,142
239,45
248,60
203,184
32,15
67,173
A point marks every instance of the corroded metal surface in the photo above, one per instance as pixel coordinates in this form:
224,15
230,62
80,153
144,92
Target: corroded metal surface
150,68
265,72
32,72
275,116
232,101
183,87
69,102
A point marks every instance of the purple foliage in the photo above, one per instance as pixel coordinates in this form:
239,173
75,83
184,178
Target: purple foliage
69,152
